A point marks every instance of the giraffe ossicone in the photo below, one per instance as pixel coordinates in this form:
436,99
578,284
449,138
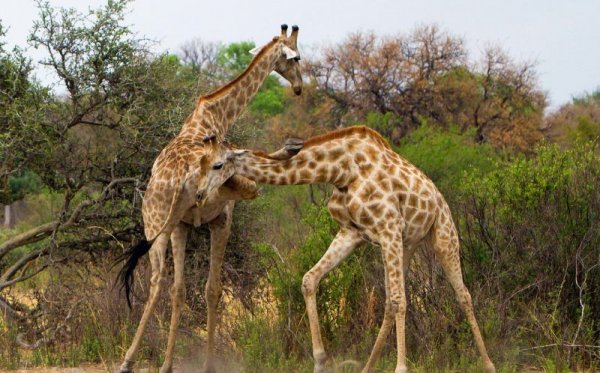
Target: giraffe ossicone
379,197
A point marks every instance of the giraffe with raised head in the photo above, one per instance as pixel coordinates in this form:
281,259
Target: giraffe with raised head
378,197
171,202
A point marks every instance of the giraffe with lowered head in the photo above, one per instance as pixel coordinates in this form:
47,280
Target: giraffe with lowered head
171,202
378,197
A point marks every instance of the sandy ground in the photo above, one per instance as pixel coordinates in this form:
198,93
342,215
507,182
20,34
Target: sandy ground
81,369
187,366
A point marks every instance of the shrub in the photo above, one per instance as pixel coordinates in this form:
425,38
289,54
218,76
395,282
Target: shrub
530,235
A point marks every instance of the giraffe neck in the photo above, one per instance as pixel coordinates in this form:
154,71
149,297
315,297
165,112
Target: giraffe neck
217,111
324,163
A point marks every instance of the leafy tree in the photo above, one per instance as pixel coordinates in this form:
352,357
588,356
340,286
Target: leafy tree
22,105
235,57
269,100
446,156
93,146
575,121
425,76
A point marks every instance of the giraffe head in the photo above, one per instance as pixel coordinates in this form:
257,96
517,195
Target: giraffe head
224,163
287,63
217,167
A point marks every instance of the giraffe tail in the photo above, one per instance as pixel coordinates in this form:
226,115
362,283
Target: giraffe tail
131,257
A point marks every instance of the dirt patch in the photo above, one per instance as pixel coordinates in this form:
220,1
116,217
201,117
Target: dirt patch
80,369
189,365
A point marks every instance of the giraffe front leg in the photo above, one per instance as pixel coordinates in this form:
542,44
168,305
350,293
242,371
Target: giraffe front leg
220,228
178,241
343,244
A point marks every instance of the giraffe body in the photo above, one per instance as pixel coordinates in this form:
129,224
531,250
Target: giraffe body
185,167
378,197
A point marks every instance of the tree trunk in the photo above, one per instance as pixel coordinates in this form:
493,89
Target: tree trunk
9,216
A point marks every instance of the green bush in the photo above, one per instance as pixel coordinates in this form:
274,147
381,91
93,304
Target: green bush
445,156
531,232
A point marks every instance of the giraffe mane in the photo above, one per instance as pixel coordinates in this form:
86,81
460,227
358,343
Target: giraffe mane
254,61
362,131
344,132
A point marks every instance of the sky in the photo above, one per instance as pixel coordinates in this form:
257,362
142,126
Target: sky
562,37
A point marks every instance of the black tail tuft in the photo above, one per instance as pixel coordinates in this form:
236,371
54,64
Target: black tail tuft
131,257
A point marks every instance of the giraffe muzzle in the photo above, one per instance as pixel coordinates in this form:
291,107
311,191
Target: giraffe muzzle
201,197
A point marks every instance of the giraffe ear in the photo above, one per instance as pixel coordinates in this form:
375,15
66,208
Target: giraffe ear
289,52
254,51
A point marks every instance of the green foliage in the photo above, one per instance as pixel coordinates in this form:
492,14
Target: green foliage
530,231
592,98
26,183
576,122
587,129
22,105
261,352
269,100
235,57
340,294
445,155
382,123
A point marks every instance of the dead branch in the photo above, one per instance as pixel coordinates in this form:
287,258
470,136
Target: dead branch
43,231
6,281
33,235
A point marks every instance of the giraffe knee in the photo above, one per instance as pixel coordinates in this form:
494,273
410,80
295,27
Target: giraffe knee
464,299
309,285
398,305
158,279
389,311
213,293
178,292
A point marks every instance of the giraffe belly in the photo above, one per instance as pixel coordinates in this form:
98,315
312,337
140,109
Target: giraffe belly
417,224
196,216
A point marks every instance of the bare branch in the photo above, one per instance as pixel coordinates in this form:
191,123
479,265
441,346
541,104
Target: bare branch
45,230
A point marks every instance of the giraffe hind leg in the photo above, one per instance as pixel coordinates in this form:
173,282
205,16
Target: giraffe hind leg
178,241
157,260
446,247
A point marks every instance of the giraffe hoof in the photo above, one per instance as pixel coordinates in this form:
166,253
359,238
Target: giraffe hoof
208,368
489,368
326,368
323,364
126,367
166,369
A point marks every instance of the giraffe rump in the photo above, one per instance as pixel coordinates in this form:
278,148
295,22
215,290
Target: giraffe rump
131,257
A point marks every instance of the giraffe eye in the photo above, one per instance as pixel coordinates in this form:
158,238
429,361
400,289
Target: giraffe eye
217,166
